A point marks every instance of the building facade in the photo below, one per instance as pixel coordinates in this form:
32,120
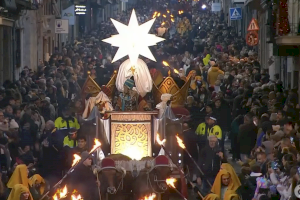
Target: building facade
10,59
27,29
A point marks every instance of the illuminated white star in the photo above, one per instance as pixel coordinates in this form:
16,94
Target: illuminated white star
133,40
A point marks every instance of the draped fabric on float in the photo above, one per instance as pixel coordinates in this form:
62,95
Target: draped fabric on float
103,126
92,101
141,74
167,120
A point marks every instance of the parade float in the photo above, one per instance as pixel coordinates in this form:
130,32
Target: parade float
139,149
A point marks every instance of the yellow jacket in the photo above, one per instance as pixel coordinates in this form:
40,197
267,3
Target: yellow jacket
60,123
213,74
215,130
70,143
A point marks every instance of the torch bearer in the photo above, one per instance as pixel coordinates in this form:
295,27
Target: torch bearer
181,144
161,143
77,160
170,182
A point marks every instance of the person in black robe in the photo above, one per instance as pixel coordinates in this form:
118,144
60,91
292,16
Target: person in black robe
83,179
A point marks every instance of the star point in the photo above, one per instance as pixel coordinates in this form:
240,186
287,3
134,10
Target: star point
133,39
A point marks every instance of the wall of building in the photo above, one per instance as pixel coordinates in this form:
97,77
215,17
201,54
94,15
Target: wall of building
6,49
31,39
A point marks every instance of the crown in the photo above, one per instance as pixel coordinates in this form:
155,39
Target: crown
169,86
90,87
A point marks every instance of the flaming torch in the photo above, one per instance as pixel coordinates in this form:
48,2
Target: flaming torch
161,143
96,145
170,182
181,144
60,194
150,197
74,197
76,159
167,65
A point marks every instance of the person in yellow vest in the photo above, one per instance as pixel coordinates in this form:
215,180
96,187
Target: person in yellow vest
209,128
70,139
66,121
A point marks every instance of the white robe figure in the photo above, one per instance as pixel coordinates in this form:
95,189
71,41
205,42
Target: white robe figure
163,104
92,101
141,74
162,108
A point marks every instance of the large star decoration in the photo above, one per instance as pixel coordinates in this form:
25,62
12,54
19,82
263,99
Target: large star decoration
133,40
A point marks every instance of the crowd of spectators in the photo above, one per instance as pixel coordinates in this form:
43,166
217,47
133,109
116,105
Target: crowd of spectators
231,97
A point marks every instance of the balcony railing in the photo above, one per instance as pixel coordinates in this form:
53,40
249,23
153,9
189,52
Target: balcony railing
291,37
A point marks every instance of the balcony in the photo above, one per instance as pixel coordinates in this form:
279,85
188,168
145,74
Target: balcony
291,38
27,4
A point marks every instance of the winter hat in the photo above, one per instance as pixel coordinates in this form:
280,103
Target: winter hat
47,99
13,124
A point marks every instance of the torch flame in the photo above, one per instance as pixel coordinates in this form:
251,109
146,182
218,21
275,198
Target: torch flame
171,181
163,23
74,197
55,197
154,15
164,16
165,64
158,14
151,197
76,159
159,141
168,11
180,142
96,145
63,193
176,71
172,19
171,15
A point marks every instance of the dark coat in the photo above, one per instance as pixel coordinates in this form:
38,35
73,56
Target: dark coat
247,138
209,161
84,181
